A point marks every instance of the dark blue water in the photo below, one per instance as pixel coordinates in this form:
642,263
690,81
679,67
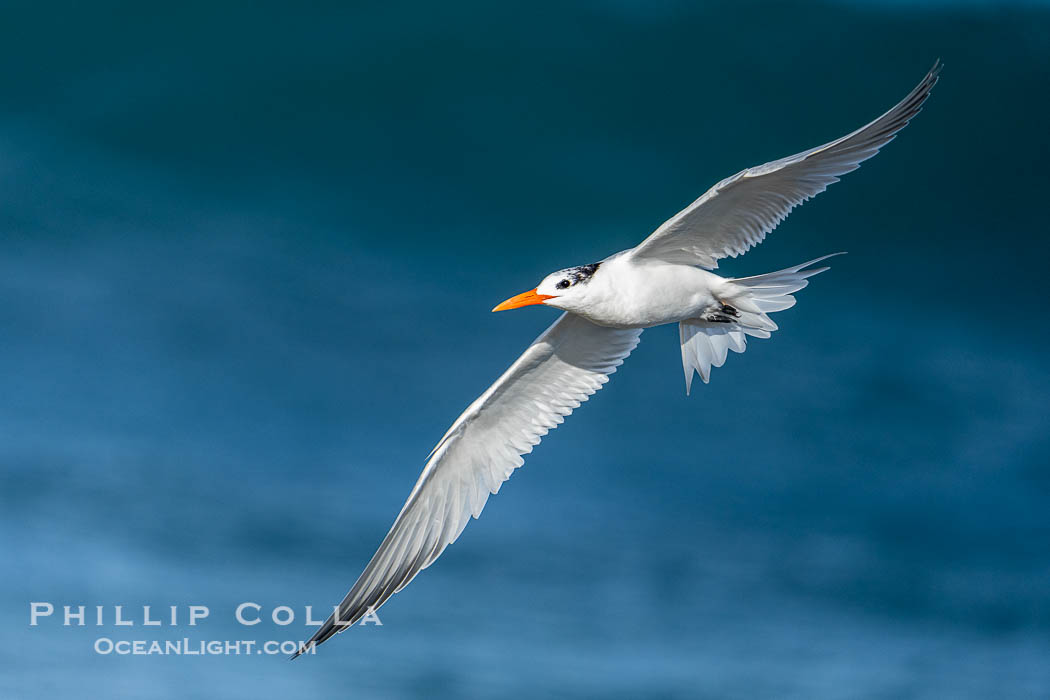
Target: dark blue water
247,258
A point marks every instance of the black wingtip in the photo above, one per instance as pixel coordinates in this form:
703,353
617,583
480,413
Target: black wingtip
934,74
302,650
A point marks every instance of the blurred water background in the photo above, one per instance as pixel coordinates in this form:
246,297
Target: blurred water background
247,253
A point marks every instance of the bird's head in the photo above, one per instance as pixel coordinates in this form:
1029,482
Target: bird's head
565,289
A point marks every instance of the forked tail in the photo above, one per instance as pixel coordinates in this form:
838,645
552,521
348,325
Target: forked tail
707,341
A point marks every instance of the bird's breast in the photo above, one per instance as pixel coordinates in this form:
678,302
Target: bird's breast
641,296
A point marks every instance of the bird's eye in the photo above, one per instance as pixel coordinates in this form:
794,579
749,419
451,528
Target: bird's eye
564,284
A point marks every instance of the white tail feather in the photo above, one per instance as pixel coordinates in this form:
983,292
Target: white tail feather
706,344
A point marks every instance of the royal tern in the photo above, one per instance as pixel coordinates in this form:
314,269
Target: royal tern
667,278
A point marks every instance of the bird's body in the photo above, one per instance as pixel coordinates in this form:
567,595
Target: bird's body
667,278
627,293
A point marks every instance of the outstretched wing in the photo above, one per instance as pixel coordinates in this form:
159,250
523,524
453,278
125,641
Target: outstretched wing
570,361
741,210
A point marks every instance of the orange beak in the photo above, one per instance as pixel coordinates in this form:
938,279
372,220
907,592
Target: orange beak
524,299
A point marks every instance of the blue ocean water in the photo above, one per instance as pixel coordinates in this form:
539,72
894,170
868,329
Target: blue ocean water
247,258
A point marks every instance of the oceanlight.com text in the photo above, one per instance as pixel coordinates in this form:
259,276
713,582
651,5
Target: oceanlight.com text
194,647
